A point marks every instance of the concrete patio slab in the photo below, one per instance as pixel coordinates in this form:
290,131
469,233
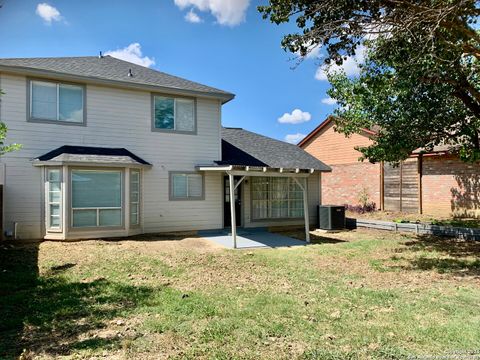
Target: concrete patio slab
250,238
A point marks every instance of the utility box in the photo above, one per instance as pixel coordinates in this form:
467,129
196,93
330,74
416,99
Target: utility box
331,217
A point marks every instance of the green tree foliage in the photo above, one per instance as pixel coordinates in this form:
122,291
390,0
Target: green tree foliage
3,134
419,86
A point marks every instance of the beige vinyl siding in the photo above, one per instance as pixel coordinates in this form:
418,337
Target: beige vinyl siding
115,118
313,189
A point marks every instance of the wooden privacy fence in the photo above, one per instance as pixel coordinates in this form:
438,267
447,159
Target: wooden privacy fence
401,186
421,229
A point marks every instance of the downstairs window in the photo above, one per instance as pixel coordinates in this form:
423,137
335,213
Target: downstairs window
54,199
276,198
96,198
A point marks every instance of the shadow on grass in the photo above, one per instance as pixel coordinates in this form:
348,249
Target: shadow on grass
299,233
50,313
448,255
451,266
449,246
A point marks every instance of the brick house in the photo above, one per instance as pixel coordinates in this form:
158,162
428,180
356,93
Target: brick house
435,183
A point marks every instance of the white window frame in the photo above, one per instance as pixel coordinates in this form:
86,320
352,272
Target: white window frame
187,174
135,204
57,120
121,208
175,98
48,202
269,201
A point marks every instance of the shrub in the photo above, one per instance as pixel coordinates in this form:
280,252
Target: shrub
364,203
362,209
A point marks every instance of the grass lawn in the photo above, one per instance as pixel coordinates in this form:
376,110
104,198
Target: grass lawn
414,217
352,295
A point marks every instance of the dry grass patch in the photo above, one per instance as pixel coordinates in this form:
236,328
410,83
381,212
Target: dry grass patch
359,295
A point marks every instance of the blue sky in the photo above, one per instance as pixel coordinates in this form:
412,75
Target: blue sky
221,43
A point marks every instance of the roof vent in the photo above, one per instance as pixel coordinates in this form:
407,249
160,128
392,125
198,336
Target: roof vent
100,56
130,74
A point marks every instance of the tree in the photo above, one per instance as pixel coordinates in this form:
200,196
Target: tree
420,83
3,134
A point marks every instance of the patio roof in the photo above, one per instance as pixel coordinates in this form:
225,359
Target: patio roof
242,149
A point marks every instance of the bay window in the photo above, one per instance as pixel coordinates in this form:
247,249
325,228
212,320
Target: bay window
173,114
276,198
54,199
134,197
54,101
96,198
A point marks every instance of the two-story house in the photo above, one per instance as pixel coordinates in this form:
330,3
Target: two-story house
113,149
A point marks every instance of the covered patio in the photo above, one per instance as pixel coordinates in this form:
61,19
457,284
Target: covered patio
247,156
253,238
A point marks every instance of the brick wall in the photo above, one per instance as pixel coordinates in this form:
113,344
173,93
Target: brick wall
450,187
345,183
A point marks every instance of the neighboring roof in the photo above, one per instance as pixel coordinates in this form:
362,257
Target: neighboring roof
68,153
323,125
244,148
108,68
372,132
437,149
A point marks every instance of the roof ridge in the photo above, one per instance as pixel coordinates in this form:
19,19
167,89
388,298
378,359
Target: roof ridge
52,57
263,136
111,68
161,72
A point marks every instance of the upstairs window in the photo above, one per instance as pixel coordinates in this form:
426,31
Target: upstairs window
53,101
174,114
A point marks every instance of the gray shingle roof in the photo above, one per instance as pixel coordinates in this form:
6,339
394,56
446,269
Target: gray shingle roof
92,154
245,148
112,69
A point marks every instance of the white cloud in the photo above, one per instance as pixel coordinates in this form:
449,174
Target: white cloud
227,12
192,17
294,138
329,101
314,53
349,66
48,13
296,117
132,53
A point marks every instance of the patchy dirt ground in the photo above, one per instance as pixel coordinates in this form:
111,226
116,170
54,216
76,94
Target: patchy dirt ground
356,294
